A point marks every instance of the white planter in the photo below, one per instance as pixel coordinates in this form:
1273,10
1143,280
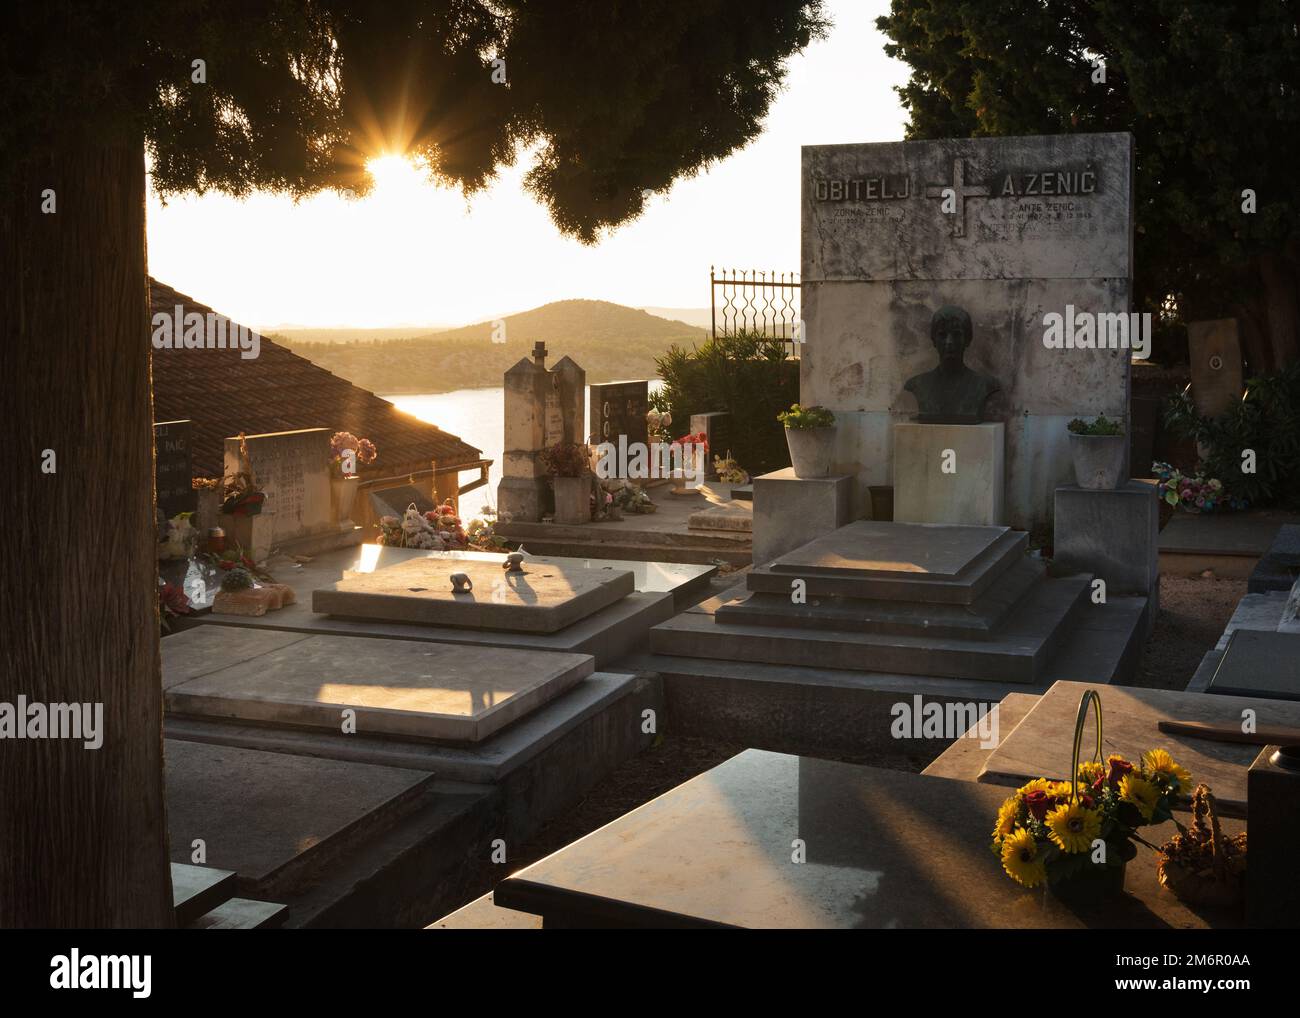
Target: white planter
810,450
1098,460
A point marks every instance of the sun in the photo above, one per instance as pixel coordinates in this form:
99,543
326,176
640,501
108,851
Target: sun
395,173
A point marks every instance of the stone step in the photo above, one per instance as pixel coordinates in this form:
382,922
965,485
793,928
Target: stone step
731,553
976,621
898,561
965,758
484,914
199,889
594,534
242,914
1016,654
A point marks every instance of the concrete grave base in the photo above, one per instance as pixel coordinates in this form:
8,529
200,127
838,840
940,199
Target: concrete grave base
790,511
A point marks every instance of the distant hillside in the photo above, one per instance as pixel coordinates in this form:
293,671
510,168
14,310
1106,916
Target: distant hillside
701,318
609,341
299,334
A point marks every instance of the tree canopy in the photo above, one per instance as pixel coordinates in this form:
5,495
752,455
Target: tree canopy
612,100
1211,93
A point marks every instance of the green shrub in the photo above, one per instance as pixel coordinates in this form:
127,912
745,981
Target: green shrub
1102,427
1267,422
803,418
745,375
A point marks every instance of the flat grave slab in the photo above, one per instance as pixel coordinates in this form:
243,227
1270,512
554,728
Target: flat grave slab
259,813
885,849
1260,664
242,914
1040,745
902,561
433,691
542,599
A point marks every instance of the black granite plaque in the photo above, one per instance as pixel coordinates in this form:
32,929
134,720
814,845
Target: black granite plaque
1259,663
173,471
619,408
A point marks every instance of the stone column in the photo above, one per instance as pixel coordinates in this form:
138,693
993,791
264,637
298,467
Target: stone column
520,495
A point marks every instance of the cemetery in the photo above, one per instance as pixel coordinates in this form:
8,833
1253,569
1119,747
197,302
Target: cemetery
950,582
420,695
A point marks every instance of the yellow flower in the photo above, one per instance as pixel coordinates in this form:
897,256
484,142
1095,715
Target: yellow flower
1162,765
1021,861
1073,827
1140,792
1090,771
1006,818
1061,789
1037,785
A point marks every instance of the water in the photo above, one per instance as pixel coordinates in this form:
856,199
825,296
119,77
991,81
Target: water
477,416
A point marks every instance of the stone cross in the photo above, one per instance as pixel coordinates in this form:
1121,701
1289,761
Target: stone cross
539,354
960,192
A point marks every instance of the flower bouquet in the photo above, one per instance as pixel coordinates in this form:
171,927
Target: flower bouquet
1077,835
437,530
1197,494
243,495
347,452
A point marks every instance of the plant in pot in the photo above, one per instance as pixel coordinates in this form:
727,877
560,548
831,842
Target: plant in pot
347,453
569,465
810,434
1098,450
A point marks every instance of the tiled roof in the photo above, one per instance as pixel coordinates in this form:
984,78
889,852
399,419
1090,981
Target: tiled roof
223,394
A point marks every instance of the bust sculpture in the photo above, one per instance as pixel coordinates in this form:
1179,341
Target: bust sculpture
952,393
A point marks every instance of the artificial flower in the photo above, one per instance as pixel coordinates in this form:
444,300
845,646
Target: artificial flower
1021,860
1161,765
1073,827
1139,792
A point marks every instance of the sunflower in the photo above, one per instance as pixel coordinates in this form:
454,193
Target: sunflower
1140,792
1037,785
1073,827
1162,765
1020,859
1061,789
1090,771
1006,818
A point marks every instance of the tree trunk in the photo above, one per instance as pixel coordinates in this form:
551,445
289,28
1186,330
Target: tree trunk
1280,279
83,837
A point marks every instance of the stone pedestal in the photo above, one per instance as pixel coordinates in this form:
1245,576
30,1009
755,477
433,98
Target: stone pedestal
1113,535
790,511
1273,787
950,473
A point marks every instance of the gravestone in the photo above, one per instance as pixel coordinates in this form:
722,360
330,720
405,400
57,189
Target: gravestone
173,469
542,408
619,409
1008,229
1214,354
292,467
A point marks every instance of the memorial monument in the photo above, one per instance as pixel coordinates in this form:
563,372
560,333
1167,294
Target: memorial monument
951,393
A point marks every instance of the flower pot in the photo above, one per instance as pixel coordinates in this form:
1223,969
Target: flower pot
572,500
343,492
810,450
1095,883
1098,460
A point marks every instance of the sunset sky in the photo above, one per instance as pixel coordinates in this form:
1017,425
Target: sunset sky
417,254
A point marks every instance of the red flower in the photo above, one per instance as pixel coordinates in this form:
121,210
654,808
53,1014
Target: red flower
1118,768
1038,803
447,511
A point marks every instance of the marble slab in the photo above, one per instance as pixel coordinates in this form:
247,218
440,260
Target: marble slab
401,688
1040,746
1259,664
882,849
264,814
541,599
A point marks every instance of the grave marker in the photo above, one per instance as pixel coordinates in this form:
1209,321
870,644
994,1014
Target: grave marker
173,469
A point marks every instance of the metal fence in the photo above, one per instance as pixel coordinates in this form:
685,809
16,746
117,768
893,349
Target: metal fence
756,301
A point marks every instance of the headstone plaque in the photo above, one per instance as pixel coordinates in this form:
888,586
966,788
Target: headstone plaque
292,467
173,471
1008,229
619,408
1214,352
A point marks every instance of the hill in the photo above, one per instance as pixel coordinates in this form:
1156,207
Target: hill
303,334
610,341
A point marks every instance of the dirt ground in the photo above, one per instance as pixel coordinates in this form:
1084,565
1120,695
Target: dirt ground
1193,612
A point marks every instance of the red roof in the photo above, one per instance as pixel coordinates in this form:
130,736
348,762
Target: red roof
223,394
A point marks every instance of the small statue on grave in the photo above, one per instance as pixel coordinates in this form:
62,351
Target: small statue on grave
952,393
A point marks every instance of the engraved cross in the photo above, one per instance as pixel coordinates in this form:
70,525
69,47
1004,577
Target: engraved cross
960,192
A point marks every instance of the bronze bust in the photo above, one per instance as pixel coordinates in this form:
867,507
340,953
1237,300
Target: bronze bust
951,393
